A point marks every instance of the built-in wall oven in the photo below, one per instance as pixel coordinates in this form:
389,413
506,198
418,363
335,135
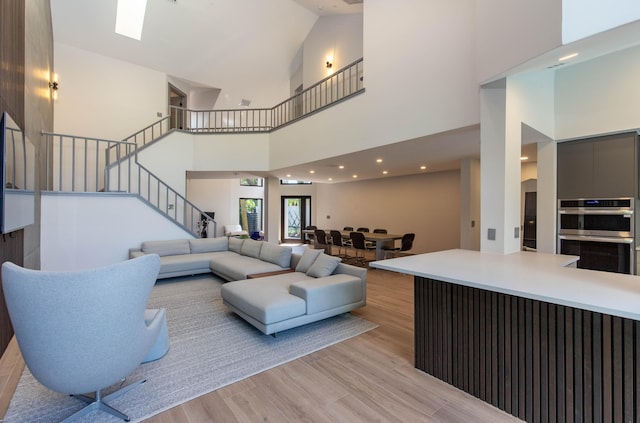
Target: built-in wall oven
600,231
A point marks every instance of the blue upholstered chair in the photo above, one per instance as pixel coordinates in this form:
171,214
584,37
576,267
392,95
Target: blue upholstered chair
82,331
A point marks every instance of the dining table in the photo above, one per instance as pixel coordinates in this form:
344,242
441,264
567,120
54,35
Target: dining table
377,238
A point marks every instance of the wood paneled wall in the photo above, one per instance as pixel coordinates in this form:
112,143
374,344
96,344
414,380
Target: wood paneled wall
538,361
12,100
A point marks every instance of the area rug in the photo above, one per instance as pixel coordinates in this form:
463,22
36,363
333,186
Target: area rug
210,347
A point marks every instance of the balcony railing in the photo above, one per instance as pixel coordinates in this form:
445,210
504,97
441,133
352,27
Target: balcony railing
77,164
333,89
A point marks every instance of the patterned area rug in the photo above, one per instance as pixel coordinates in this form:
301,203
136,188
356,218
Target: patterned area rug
210,347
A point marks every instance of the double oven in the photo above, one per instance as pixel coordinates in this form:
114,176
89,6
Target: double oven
600,231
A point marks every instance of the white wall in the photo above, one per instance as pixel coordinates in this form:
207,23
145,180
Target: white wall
426,204
105,98
598,96
509,33
338,36
234,152
91,230
420,68
581,18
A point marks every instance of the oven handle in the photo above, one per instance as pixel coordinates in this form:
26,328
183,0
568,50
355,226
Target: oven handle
591,211
596,239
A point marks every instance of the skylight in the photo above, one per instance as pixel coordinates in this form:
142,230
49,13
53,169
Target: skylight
130,17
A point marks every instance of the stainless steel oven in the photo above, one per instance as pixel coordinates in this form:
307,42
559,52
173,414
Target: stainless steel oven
600,231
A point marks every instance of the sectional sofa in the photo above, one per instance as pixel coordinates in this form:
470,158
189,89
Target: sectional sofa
270,287
230,258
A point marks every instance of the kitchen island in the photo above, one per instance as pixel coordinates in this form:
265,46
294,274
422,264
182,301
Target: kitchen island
528,333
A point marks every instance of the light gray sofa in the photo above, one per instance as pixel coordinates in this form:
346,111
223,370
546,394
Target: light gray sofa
316,287
320,287
230,258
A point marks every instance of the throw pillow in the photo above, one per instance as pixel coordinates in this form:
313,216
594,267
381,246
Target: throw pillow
323,266
171,247
209,245
308,257
276,254
251,248
235,244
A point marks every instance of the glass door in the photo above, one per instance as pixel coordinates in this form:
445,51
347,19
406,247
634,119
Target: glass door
295,216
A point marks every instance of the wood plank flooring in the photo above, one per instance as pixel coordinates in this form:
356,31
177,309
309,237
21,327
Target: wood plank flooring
365,379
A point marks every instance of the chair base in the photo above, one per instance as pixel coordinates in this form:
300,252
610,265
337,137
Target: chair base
100,403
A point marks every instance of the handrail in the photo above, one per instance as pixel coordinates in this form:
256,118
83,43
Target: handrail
342,84
160,126
83,164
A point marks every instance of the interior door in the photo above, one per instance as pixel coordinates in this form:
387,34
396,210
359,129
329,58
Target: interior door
177,99
295,216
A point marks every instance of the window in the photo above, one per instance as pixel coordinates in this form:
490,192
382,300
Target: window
251,214
251,182
293,182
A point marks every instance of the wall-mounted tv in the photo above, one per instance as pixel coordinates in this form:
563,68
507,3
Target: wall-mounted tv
17,177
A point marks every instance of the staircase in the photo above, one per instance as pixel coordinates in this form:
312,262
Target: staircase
82,164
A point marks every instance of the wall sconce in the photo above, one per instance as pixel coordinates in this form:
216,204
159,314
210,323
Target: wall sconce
54,85
329,61
329,64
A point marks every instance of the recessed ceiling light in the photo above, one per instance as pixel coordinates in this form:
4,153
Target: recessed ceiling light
523,158
384,172
567,57
341,167
355,176
378,160
288,175
312,171
423,167
331,179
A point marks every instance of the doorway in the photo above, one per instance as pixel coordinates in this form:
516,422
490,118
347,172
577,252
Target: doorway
295,216
177,101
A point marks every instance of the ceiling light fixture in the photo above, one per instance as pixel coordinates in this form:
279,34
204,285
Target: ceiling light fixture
341,167
378,160
312,171
130,18
355,176
384,172
567,57
423,167
523,158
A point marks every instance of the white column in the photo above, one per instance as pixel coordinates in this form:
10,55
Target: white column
500,174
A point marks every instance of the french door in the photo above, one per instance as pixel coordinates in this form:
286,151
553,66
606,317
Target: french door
295,216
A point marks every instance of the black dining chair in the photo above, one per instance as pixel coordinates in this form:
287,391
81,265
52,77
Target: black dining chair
321,241
362,229
336,241
405,245
348,228
379,231
357,240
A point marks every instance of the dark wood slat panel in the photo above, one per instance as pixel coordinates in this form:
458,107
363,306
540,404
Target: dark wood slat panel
577,366
494,375
607,367
598,381
617,382
568,357
544,362
628,377
537,361
587,367
553,363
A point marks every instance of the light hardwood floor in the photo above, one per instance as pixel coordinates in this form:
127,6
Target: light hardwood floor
365,379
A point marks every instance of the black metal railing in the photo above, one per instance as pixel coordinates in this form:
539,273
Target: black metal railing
342,84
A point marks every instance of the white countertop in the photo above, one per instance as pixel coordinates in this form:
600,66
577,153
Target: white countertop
532,275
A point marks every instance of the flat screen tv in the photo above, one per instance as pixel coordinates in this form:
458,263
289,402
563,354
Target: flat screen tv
18,177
